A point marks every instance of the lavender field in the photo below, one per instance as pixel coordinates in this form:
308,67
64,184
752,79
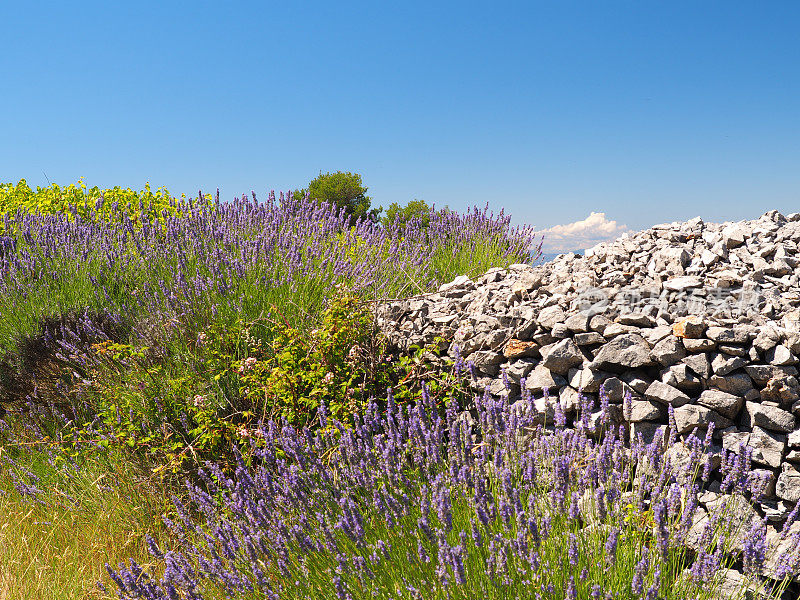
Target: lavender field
196,404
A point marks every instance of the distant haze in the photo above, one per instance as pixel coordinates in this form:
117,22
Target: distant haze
548,256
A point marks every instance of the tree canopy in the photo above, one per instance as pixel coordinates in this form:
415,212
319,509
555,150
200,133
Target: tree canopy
398,216
343,190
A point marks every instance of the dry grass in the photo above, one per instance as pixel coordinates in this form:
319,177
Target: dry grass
57,550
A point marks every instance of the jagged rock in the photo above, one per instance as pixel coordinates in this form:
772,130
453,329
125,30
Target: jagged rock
794,439
541,377
681,377
690,327
766,339
768,417
729,335
526,283
616,329
578,323
733,236
590,338
682,283
666,394
780,356
653,335
768,448
550,316
570,398
616,389
788,485
598,323
636,319
520,368
561,356
699,364
733,350
669,260
627,351
722,364
484,358
698,345
737,384
668,351
515,348
586,380
636,382
646,410
689,416
725,404
498,387
727,279
460,285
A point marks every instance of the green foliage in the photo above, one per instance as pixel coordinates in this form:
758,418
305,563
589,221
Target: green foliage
77,199
171,416
344,190
204,399
340,363
398,217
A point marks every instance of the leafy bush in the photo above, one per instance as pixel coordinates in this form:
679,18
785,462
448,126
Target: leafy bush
93,203
179,416
340,362
416,213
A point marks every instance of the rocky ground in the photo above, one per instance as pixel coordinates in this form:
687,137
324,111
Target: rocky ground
704,317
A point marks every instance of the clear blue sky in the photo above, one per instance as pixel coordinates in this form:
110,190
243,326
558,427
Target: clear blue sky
646,111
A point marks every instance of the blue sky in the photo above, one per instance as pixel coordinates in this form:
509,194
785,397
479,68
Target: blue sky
643,111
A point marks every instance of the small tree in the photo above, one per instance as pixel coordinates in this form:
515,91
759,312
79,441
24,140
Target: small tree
343,190
397,217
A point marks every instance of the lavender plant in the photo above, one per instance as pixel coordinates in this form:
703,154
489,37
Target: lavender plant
149,317
229,261
411,503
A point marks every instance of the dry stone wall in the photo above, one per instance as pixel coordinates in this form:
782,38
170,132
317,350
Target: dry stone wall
700,317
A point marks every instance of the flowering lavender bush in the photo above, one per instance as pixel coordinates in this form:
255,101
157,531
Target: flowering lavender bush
232,261
410,503
133,316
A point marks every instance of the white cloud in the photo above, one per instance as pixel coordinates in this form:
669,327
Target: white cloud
581,234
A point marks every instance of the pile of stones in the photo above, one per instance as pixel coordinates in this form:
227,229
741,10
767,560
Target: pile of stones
698,316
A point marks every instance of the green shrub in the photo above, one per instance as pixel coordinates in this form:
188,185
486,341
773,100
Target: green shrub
398,217
341,361
77,199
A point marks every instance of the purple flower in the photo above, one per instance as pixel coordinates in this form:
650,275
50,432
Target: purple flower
571,592
611,545
755,548
640,572
572,551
